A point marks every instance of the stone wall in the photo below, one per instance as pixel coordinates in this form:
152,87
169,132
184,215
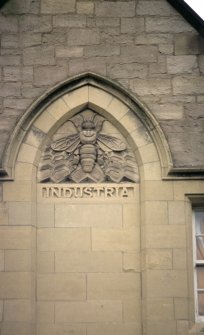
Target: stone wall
144,45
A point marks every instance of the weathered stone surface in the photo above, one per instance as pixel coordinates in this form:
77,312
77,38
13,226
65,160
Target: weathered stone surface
49,75
36,24
9,41
167,25
188,85
83,37
39,55
8,24
155,8
168,111
71,52
132,25
201,63
101,50
85,7
115,9
140,54
188,44
17,73
156,38
150,86
81,65
181,64
61,6
69,21
9,60
132,70
17,7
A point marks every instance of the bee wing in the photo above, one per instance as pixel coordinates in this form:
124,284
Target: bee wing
111,142
68,144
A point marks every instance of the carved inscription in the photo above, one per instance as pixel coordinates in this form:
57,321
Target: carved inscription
87,192
88,154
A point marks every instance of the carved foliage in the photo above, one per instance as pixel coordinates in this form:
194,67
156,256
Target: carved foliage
87,154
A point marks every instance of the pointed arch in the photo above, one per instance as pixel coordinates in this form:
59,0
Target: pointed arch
74,94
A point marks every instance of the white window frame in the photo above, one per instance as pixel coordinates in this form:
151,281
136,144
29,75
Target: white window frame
199,318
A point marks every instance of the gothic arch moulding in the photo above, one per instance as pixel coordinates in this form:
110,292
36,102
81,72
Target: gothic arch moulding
104,100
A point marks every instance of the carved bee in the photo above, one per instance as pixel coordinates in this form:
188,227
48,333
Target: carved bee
87,154
88,141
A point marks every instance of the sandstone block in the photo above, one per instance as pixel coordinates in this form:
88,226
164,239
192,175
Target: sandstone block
132,310
115,239
49,75
132,25
27,153
99,97
15,285
88,262
181,308
15,237
164,191
103,50
39,55
81,65
117,108
24,171
188,44
188,85
29,39
107,22
73,52
181,64
9,60
154,38
1,260
88,311
17,310
61,6
17,191
9,41
155,212
115,9
8,24
176,210
44,122
10,89
83,36
17,7
61,286
140,54
57,109
69,21
156,327
16,73
157,259
17,328
131,215
45,262
1,310
113,286
45,215
18,260
3,215
150,86
35,23
151,171
131,261
85,7
168,111
167,25
165,236
155,8
61,328
179,259
114,328
159,309
93,216
73,239
165,284
45,311
56,38
133,70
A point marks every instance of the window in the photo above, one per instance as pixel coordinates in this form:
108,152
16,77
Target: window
199,262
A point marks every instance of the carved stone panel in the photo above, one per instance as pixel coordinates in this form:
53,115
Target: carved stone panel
88,148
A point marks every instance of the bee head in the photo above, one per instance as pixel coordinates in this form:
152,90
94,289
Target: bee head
88,124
